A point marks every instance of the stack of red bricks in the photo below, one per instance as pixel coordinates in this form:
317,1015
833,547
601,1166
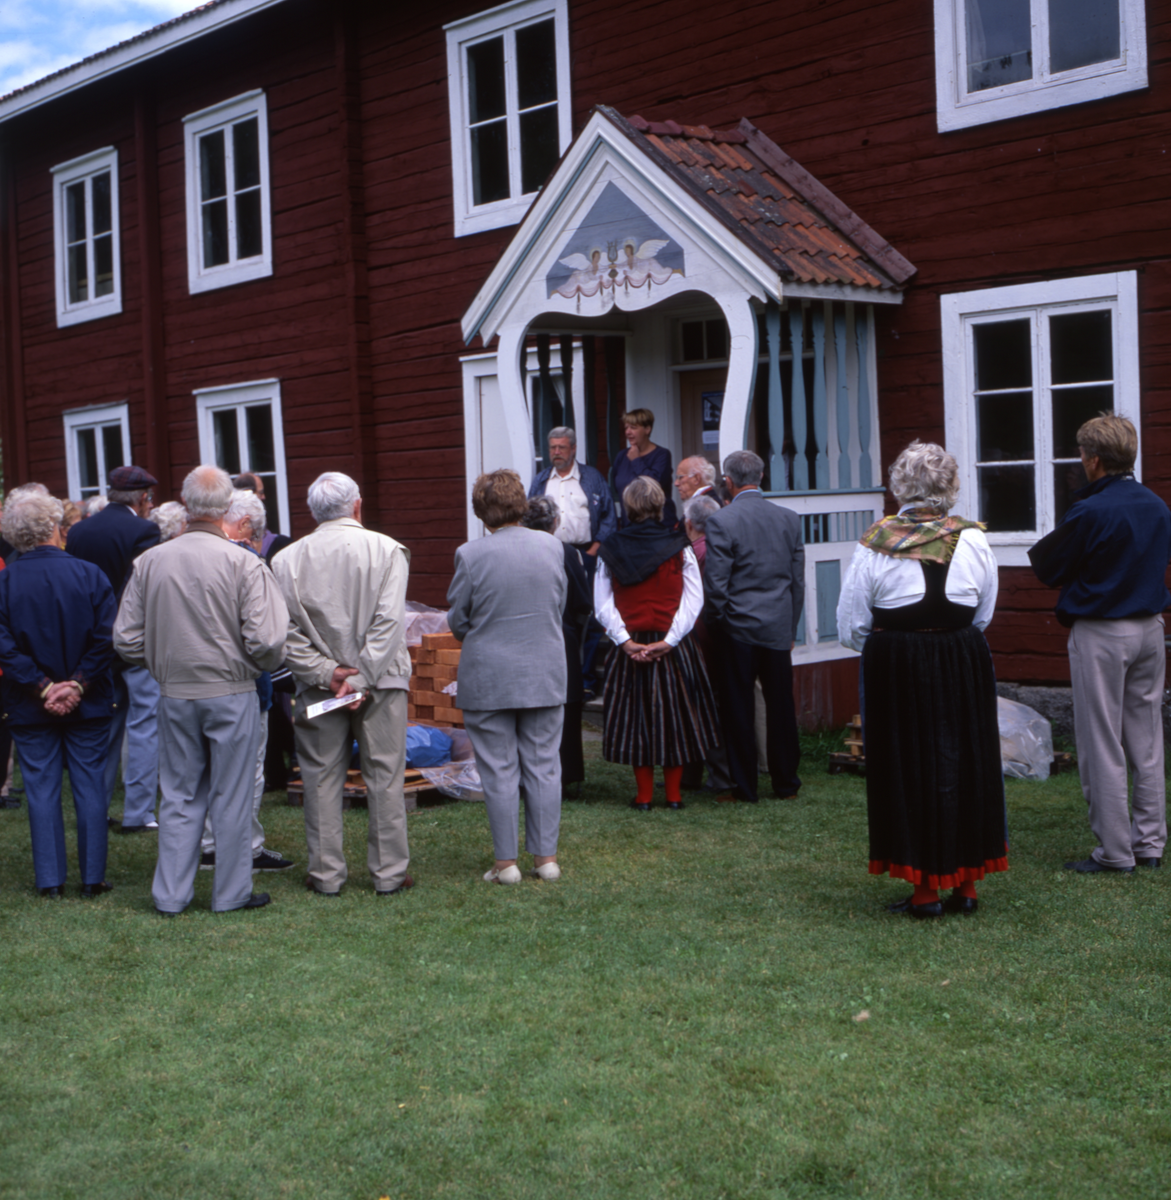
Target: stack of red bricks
434,665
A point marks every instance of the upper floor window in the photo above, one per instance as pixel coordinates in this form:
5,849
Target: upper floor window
97,439
229,237
996,59
85,223
508,87
1024,368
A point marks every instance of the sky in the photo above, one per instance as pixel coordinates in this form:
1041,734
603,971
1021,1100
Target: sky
38,37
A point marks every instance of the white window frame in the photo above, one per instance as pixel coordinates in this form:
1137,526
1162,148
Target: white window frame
64,175
961,310
195,126
240,396
470,217
96,416
956,108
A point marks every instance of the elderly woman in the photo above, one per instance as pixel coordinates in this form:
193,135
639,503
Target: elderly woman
171,518
506,601
919,592
659,708
642,459
56,618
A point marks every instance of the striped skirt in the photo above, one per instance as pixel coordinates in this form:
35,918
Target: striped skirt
660,713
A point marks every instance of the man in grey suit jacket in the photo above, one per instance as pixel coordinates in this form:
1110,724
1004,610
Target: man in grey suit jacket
754,586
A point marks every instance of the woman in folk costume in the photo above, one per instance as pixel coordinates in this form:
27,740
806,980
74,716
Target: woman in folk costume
658,701
920,590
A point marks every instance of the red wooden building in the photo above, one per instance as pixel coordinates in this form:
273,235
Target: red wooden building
291,236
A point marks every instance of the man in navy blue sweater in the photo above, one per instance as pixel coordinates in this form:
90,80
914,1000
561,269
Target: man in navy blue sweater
1109,556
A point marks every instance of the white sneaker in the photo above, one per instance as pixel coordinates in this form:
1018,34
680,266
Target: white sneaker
548,872
150,824
508,875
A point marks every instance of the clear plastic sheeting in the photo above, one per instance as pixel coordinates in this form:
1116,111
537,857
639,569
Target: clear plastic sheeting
422,619
459,780
1026,741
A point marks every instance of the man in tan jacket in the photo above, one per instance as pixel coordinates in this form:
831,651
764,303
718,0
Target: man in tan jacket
346,589
206,619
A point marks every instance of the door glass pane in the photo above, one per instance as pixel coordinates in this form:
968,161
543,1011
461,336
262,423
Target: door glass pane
215,233
1004,355
102,203
113,454
489,163
227,440
486,80
258,423
75,226
104,265
717,339
536,65
77,273
1004,427
1067,478
1072,407
1008,500
212,169
691,334
246,154
1082,32
249,233
1081,347
87,459
999,42
538,147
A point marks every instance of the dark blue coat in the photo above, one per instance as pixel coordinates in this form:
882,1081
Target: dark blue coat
112,540
56,622
603,521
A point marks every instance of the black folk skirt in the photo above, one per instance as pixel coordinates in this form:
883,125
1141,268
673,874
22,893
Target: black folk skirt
934,787
661,713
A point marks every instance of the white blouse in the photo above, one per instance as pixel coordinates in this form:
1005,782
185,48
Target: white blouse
690,606
887,581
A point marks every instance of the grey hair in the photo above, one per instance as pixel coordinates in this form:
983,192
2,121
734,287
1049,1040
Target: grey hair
744,468
30,489
207,493
30,518
246,503
563,431
95,504
170,518
926,473
698,509
130,498
703,467
543,514
332,496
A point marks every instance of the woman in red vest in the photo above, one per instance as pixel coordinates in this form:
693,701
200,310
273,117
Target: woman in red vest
658,701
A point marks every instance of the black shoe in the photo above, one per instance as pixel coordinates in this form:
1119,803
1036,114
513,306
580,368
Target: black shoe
270,860
9,802
674,805
921,912
1091,866
1151,862
91,890
163,912
256,900
787,795
407,882
52,893
964,905
640,807
312,887
207,860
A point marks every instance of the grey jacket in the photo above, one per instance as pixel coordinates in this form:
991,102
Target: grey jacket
506,602
754,573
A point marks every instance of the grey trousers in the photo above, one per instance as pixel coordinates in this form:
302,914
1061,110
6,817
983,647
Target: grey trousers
323,750
1117,668
207,842
207,758
518,747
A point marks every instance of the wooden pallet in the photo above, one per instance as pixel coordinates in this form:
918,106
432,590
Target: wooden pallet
852,761
354,790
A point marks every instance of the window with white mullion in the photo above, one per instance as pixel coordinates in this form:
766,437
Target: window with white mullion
85,214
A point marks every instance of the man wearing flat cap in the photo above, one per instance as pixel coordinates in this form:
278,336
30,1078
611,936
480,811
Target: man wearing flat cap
112,539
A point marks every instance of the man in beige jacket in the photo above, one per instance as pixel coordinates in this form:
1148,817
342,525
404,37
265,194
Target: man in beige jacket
346,589
206,619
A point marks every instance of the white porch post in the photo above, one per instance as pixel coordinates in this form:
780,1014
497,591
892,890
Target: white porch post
514,401
742,355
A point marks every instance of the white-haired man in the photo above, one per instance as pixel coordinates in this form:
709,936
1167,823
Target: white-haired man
696,476
205,619
346,589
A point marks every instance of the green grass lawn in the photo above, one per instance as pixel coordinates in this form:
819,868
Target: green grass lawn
710,1003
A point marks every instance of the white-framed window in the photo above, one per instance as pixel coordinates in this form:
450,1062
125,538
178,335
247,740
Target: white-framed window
97,439
996,59
509,98
229,227
1024,367
240,429
87,254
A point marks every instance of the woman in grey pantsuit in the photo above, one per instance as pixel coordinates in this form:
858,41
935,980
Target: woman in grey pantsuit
506,603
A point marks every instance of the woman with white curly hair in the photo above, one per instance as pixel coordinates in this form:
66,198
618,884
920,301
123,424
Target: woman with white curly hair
920,591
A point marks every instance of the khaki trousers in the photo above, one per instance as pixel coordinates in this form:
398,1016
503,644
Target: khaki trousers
1117,668
323,750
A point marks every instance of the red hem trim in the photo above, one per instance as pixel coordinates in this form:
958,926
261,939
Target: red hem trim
923,879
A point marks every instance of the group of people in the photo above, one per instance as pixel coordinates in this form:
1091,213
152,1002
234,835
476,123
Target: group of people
178,625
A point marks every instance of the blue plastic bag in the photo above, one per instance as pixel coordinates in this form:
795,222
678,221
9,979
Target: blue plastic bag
427,747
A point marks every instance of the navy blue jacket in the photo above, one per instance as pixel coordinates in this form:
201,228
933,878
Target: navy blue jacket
603,522
112,540
56,622
1109,555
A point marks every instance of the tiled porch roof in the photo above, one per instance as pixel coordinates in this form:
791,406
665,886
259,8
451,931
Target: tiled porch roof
771,203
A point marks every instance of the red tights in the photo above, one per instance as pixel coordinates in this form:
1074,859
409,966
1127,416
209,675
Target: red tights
672,781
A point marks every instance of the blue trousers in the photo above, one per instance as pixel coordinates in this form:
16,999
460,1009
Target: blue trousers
44,751
136,703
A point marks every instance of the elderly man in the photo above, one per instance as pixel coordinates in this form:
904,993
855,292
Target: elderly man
1109,557
346,589
206,619
696,476
754,584
112,539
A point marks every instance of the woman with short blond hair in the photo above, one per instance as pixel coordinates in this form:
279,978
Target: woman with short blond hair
643,459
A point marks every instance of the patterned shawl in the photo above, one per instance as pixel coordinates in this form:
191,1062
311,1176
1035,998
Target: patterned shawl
919,533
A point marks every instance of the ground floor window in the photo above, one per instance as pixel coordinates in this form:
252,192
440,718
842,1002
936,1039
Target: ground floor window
97,440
